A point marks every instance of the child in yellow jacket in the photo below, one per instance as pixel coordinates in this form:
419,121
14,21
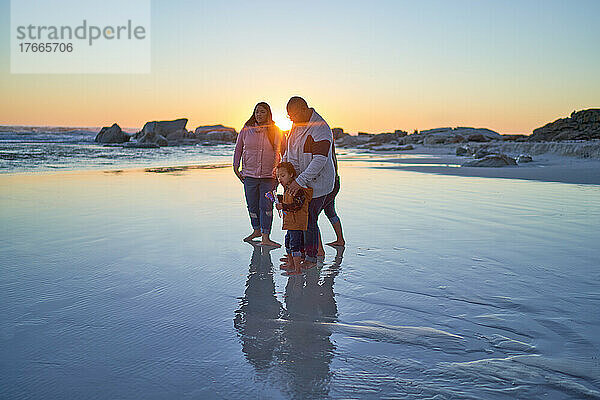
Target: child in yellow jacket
295,216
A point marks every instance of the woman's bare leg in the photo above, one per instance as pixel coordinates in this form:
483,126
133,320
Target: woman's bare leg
266,241
253,235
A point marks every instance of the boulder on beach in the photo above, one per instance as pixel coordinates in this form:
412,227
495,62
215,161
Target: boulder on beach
382,141
111,134
477,137
453,135
464,151
216,133
352,140
492,160
161,132
524,158
581,125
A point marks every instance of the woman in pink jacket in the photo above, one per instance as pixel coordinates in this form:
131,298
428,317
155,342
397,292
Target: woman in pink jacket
257,147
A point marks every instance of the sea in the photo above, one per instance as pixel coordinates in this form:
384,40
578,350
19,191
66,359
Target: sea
28,149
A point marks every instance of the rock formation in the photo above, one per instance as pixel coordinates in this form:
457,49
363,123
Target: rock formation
492,160
162,132
581,125
524,158
216,133
112,134
338,133
453,135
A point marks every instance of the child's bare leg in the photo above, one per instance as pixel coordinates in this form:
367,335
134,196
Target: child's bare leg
297,265
253,235
288,262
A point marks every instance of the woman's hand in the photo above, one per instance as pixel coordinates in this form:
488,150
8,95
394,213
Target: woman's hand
279,206
239,175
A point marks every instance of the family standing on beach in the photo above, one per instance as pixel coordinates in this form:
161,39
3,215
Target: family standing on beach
304,163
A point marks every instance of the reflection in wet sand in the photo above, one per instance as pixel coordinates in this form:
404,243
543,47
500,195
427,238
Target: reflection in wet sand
287,342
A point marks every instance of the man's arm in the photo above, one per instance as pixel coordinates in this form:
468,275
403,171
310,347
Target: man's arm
320,152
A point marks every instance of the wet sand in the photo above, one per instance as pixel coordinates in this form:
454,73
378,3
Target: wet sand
544,168
136,283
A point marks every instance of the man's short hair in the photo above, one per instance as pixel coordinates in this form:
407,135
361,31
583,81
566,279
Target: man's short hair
297,100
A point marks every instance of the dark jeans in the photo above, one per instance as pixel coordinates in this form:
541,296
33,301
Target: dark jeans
311,234
294,243
329,204
259,207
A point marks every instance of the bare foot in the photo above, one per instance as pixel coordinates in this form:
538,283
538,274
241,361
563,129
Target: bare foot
253,235
269,242
285,258
286,266
307,265
337,243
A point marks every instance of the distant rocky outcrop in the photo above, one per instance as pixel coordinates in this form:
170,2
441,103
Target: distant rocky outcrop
581,125
167,133
338,133
427,137
453,135
383,141
515,138
162,133
111,134
492,160
216,133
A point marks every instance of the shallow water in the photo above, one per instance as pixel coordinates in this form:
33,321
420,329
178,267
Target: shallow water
51,149
137,285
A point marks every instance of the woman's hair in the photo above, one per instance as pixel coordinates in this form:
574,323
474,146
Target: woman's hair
272,130
288,167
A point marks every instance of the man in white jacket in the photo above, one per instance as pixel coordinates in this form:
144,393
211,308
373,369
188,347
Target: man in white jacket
309,149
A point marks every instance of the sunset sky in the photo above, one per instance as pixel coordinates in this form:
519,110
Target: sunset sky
376,66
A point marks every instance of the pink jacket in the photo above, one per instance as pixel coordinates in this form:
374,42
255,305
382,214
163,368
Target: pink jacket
256,153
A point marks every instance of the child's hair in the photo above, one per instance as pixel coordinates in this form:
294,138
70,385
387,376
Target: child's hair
288,167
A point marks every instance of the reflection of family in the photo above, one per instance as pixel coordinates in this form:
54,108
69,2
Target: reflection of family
285,340
305,164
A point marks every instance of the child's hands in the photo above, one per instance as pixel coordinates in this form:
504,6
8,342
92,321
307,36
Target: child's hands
278,206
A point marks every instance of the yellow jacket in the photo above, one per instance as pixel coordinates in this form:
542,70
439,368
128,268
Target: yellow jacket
295,216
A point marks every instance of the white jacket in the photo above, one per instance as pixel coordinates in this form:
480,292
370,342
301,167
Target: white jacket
310,154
